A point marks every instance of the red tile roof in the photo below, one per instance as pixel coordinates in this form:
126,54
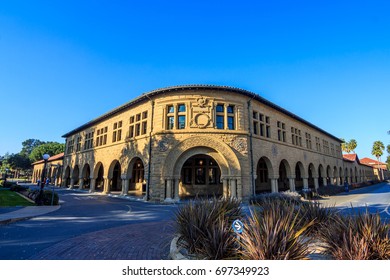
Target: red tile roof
371,162
53,158
351,157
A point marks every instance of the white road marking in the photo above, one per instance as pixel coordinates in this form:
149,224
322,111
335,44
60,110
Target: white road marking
128,212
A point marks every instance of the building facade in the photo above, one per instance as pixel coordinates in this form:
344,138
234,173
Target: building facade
53,170
199,140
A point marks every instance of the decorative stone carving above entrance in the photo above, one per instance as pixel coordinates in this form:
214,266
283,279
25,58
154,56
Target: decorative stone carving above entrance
240,144
201,112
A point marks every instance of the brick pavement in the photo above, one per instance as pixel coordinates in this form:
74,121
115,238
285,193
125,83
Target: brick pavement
144,241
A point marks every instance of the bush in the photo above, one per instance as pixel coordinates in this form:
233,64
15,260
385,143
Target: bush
205,230
319,214
330,190
45,199
275,233
361,237
17,188
269,198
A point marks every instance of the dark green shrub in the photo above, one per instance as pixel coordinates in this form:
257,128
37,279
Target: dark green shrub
360,237
204,227
275,232
330,190
17,188
269,198
319,214
44,198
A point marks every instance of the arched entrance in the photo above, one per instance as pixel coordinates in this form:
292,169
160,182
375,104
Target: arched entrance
137,176
311,176
75,175
263,183
86,174
67,177
299,173
200,177
115,176
321,174
341,176
283,184
99,175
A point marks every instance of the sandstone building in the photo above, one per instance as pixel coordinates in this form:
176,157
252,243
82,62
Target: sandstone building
187,141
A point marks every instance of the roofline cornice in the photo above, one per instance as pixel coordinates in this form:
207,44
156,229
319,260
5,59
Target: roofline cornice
156,92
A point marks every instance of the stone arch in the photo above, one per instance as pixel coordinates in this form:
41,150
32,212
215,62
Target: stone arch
114,176
335,176
264,171
98,175
346,175
135,176
312,174
67,176
300,175
75,175
86,176
341,174
284,175
329,175
351,175
221,152
356,175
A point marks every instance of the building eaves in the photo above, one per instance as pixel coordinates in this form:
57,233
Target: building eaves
150,94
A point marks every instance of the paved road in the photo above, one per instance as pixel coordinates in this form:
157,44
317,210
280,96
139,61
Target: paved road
91,227
374,199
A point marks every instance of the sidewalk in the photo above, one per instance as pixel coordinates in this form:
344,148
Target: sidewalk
26,213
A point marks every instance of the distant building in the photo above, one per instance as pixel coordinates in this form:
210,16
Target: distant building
199,140
380,168
53,169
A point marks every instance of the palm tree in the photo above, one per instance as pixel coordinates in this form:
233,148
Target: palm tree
352,144
345,147
377,150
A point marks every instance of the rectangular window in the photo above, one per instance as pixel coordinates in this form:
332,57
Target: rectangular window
219,108
137,129
101,138
117,132
220,122
138,124
231,123
281,131
78,145
255,127
181,108
131,131
144,127
144,115
88,142
171,109
262,130
182,122
296,136
171,122
268,131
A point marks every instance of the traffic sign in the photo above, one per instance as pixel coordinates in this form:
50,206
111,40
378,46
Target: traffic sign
238,226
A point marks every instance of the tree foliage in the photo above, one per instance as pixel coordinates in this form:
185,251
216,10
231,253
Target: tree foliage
18,161
29,145
348,146
51,148
377,149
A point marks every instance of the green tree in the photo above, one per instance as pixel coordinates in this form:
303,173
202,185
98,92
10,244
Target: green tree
388,162
345,146
377,150
352,144
388,149
29,145
17,161
51,148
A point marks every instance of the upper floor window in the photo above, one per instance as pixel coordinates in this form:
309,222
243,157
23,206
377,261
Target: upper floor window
70,146
318,144
308,141
296,138
101,136
281,131
88,142
78,145
225,116
138,124
117,132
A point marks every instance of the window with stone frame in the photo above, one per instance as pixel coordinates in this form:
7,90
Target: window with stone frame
308,141
281,131
296,137
88,142
318,144
70,145
138,124
101,136
255,120
170,117
267,127
181,116
117,132
78,144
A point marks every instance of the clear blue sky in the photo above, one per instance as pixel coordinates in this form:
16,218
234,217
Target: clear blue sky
63,63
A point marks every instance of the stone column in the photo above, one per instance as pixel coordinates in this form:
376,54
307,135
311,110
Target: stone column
71,183
125,186
239,188
305,183
81,183
168,197
316,184
233,187
92,185
325,182
292,183
331,179
177,185
274,185
106,185
225,187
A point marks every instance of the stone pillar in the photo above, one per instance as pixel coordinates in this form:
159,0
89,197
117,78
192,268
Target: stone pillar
316,183
168,197
338,181
325,182
92,185
305,183
274,185
81,183
239,188
233,187
177,185
106,185
125,186
292,184
331,179
71,183
225,187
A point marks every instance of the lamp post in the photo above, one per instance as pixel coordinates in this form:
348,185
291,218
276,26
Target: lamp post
45,158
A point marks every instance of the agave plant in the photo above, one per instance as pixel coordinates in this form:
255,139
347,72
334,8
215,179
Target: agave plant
273,233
